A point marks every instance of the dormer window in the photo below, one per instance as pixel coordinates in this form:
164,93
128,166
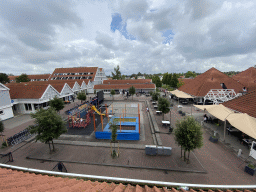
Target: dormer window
223,85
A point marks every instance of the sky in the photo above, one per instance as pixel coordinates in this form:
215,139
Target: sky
147,36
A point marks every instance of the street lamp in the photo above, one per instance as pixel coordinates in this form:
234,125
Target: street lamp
171,106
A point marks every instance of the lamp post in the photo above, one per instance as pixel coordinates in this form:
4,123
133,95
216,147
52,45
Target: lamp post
171,106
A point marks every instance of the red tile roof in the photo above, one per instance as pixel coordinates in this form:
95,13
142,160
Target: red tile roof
247,77
75,70
35,76
12,77
135,81
12,180
26,91
185,80
211,79
243,104
124,86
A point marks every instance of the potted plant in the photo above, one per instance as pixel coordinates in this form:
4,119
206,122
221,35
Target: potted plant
114,153
250,169
214,138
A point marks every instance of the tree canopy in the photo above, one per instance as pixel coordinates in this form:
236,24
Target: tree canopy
155,96
190,74
22,78
81,96
116,74
112,92
156,80
48,126
188,135
4,78
57,103
180,83
165,78
174,80
163,105
132,91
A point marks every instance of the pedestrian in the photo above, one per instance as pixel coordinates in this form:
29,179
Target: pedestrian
147,109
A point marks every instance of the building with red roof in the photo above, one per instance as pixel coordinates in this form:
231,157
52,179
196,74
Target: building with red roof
140,85
36,77
247,78
243,104
200,86
26,98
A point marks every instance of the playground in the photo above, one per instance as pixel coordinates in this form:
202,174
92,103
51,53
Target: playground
95,118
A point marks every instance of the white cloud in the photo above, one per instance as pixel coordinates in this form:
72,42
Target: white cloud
38,36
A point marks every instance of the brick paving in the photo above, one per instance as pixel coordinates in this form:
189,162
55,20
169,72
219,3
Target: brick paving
221,164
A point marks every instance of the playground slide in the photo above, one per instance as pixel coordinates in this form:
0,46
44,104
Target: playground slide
94,108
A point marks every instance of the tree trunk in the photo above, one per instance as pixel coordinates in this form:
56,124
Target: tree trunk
188,157
49,146
162,116
180,152
184,155
53,149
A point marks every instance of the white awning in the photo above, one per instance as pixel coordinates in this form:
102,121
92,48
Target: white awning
219,111
181,94
244,123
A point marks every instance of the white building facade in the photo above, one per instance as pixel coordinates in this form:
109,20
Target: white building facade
5,103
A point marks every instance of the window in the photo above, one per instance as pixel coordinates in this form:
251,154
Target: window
68,74
1,112
85,73
72,73
28,107
90,77
80,73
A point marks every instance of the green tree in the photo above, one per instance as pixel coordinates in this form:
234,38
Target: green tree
113,128
155,96
156,80
57,103
190,74
48,126
169,79
81,96
4,78
123,77
174,80
180,83
1,127
139,74
132,91
112,92
165,78
116,74
22,78
163,105
188,135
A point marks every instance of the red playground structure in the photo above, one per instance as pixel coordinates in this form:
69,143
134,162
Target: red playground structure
75,120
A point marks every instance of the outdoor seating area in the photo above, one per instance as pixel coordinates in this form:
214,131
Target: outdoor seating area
158,112
166,123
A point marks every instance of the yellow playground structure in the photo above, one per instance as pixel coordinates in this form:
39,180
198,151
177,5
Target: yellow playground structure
94,109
